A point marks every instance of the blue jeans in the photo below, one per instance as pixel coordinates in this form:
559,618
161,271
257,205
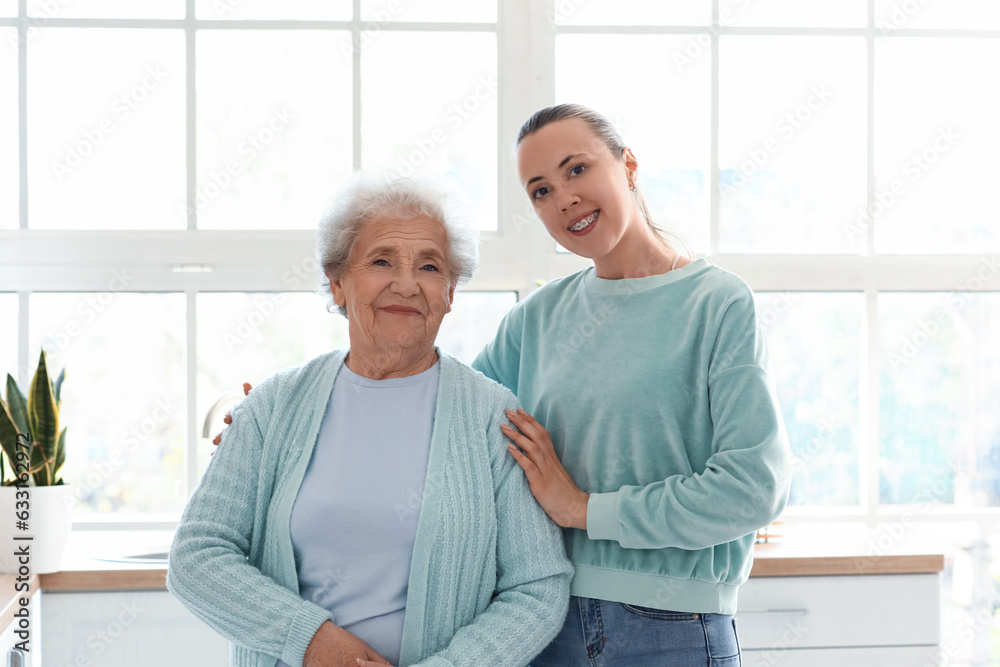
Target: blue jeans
598,633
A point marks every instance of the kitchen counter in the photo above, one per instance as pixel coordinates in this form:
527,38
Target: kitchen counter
815,550
837,549
87,564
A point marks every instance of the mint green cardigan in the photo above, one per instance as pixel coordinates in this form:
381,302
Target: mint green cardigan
489,579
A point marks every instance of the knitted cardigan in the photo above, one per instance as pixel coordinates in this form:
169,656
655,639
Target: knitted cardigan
489,578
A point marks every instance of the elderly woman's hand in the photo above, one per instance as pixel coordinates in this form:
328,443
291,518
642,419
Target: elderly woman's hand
548,480
229,415
333,646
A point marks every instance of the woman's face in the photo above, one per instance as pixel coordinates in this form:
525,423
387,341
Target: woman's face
578,188
397,286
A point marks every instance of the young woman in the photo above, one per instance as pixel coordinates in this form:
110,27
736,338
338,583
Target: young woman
663,448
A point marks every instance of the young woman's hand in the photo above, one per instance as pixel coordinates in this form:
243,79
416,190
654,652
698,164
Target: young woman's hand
333,646
548,480
229,415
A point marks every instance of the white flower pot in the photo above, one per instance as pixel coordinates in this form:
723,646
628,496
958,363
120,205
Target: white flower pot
50,510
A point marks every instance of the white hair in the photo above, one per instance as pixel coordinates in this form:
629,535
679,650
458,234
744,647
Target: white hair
374,196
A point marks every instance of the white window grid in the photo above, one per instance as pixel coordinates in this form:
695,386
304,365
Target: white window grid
514,258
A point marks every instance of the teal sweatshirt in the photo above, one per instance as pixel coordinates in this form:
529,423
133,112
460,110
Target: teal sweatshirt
659,399
488,580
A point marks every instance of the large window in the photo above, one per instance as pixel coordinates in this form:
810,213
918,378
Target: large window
162,165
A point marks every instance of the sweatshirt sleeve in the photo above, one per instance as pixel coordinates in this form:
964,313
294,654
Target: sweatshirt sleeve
744,485
208,568
533,575
500,360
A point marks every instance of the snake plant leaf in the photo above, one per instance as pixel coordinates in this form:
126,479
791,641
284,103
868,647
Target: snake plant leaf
8,436
60,457
44,415
17,404
57,386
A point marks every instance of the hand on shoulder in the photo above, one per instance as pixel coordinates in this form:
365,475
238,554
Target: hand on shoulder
228,419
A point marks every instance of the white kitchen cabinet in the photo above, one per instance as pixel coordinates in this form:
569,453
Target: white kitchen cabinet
890,620
125,629
804,621
817,598
897,656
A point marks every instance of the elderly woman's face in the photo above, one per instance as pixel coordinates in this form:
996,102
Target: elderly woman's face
397,286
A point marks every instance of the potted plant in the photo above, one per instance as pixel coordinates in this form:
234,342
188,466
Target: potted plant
34,500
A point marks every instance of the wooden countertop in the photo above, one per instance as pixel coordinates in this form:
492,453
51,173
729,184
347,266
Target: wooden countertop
769,561
113,578
848,549
804,551
781,560
765,565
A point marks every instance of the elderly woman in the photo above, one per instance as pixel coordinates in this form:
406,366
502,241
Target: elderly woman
364,506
